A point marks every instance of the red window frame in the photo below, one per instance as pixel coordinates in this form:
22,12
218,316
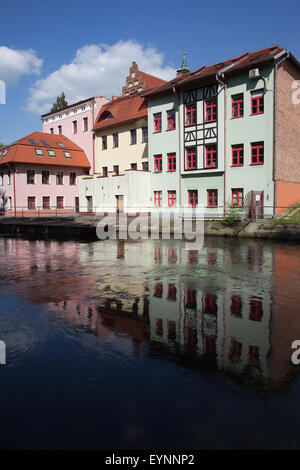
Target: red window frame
212,198
210,304
157,123
172,291
191,299
171,328
157,164
60,202
210,345
193,197
255,310
159,327
211,156
171,198
257,153
237,106
191,158
46,202
253,355
171,120
235,350
211,110
236,305
157,198
237,193
31,202
171,162
158,290
190,114
257,102
237,155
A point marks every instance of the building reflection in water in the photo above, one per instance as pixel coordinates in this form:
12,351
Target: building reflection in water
222,307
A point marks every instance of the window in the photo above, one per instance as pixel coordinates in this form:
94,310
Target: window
171,162
9,203
212,198
115,139
5,153
59,177
85,124
1,178
51,130
59,130
116,170
39,152
210,156
210,304
45,177
257,153
51,153
235,350
172,291
193,197
255,310
145,166
237,106
171,198
253,355
8,177
60,202
191,299
257,102
157,163
32,141
191,158
211,110
157,198
237,154
31,202
46,202
30,176
190,114
171,120
236,305
74,127
157,122
132,136
104,142
61,145
72,179
158,290
237,197
104,171
44,142
67,154
144,134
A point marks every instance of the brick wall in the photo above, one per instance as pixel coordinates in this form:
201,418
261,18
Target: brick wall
288,137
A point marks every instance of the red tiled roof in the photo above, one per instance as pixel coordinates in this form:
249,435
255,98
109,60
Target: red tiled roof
246,60
150,81
23,151
123,110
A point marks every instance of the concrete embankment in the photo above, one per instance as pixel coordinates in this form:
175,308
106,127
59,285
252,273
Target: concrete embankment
84,229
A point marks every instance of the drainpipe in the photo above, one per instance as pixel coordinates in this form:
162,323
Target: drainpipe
179,166
275,124
224,86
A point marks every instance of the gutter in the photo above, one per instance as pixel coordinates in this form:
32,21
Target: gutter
275,124
179,134
224,86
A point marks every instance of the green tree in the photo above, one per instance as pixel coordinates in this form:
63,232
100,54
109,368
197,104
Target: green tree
1,145
60,103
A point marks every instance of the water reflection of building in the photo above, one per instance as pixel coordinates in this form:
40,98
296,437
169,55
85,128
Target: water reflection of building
231,306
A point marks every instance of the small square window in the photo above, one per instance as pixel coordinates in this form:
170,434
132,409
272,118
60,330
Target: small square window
67,154
39,152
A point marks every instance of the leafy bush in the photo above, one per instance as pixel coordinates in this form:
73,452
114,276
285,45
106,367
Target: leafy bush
233,215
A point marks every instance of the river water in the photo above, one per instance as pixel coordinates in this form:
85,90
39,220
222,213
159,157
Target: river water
147,345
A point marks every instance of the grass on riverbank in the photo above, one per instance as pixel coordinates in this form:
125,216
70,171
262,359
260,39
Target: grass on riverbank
292,216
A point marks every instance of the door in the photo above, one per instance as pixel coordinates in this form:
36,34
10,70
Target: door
89,203
120,204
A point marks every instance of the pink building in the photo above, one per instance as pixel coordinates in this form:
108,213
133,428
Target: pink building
76,122
39,175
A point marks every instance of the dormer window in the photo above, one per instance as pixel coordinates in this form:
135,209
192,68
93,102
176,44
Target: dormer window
67,154
39,152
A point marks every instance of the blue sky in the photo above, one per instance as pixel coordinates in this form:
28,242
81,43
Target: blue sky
61,39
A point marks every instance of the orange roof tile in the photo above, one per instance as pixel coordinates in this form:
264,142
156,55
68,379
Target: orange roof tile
122,110
23,151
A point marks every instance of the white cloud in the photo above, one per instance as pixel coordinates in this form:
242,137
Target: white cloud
96,70
15,63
